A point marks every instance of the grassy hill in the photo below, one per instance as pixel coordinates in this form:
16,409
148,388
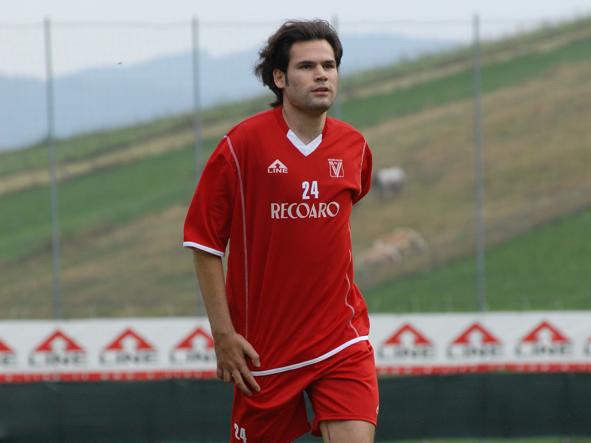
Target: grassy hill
123,193
547,268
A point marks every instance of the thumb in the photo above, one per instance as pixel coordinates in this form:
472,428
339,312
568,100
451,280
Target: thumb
251,353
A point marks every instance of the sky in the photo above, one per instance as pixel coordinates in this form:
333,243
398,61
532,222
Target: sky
87,33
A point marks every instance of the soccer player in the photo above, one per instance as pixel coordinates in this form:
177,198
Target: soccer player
280,187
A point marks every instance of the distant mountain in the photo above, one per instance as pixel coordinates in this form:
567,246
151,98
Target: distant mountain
101,98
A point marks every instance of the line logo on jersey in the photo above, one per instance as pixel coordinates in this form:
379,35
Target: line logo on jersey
277,168
335,167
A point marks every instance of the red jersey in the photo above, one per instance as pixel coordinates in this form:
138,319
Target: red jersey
285,206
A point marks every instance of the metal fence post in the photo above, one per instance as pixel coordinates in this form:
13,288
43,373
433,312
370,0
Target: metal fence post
55,237
336,106
198,126
478,168
197,118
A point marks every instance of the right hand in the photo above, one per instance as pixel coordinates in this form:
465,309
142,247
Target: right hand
231,350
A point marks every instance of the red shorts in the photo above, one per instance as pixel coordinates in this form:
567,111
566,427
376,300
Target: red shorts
342,387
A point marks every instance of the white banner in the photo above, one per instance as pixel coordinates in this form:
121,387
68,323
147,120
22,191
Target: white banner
421,344
500,341
106,349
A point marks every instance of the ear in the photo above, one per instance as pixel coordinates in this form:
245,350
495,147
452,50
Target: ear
279,78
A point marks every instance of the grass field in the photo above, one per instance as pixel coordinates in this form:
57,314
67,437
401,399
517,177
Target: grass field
556,439
141,182
501,440
107,197
521,274
536,152
442,440
364,112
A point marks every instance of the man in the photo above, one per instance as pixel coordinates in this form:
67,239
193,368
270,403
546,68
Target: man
280,187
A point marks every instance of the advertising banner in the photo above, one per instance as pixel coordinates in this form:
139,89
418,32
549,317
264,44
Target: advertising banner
417,344
107,349
463,343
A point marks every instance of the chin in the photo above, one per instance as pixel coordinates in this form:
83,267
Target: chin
319,108
312,107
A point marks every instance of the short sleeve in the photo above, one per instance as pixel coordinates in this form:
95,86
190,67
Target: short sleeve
365,173
208,221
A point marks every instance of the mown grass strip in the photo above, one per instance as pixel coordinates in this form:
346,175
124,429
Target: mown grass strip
105,198
372,110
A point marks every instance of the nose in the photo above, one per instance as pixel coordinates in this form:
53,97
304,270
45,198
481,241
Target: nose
320,73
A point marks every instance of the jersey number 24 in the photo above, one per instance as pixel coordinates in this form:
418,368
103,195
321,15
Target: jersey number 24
309,188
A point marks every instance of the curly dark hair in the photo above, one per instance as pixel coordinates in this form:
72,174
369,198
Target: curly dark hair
275,55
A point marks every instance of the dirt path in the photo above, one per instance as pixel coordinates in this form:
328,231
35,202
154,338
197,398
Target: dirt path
155,146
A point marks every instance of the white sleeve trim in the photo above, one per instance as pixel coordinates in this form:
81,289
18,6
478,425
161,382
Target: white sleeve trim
313,361
190,244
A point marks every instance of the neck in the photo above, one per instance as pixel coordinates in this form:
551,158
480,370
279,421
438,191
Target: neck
306,126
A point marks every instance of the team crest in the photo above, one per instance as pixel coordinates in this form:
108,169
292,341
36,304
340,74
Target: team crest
336,168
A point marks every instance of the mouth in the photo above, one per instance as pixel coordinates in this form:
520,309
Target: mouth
321,90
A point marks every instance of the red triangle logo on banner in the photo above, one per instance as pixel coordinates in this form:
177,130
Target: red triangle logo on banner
141,344
5,349
407,328
58,335
476,328
555,335
188,342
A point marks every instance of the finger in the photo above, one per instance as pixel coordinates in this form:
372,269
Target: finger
220,373
240,382
250,380
227,375
251,353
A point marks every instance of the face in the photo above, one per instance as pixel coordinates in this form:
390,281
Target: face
312,77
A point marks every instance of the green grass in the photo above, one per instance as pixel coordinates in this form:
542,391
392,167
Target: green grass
120,193
96,205
87,145
523,41
363,112
91,145
547,268
500,440
105,198
308,439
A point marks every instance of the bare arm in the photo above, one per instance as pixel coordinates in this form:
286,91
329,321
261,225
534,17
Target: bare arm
230,347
